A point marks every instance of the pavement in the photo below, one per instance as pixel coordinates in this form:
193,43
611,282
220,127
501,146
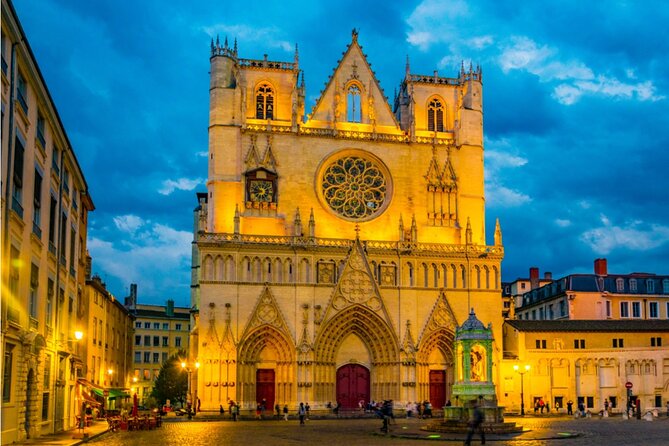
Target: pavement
537,428
71,437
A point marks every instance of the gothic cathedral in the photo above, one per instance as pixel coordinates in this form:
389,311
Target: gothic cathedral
336,252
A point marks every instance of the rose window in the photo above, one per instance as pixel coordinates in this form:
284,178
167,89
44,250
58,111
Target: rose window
354,187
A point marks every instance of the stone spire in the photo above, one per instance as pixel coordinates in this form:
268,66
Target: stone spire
468,233
414,229
401,229
297,223
296,59
498,233
236,219
312,224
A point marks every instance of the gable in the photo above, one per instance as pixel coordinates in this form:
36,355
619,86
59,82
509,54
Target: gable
334,105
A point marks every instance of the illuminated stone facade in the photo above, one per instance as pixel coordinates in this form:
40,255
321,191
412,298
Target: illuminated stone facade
335,255
45,206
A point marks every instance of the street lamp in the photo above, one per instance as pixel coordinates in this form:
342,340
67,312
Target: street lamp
189,368
522,391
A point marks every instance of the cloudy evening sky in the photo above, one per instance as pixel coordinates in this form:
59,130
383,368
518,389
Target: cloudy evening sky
576,103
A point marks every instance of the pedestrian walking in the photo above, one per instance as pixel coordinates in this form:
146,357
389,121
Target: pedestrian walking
285,412
301,413
277,409
307,408
476,424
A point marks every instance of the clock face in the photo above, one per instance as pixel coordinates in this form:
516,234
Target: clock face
261,190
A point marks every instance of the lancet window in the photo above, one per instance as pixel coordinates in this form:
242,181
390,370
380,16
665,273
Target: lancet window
265,102
353,107
435,115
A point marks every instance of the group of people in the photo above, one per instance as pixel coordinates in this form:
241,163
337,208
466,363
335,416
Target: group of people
421,409
233,409
540,405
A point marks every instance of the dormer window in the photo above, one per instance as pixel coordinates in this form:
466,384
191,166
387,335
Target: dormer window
620,284
435,116
353,108
265,102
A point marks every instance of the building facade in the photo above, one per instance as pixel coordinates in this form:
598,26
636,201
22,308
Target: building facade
108,347
45,205
586,361
161,331
334,256
512,292
586,336
598,296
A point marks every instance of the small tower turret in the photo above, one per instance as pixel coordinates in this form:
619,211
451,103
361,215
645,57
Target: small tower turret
498,233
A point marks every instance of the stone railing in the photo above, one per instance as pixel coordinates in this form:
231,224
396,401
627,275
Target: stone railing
373,245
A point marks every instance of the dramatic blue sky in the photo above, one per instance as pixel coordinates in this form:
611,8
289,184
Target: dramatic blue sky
575,95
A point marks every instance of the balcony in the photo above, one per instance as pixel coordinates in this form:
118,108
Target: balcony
22,101
16,207
37,230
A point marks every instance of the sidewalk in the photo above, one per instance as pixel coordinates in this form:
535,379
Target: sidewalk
71,437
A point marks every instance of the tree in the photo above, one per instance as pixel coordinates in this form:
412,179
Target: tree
172,381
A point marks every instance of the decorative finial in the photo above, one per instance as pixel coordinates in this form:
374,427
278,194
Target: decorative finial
213,48
498,233
462,68
234,49
357,226
354,35
225,44
408,68
302,83
312,224
297,56
468,233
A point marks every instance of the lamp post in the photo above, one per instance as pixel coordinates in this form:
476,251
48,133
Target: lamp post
189,368
110,372
522,390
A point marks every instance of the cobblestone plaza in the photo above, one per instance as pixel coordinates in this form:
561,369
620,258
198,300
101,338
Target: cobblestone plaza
350,432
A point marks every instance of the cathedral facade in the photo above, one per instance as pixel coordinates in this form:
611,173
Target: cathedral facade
335,255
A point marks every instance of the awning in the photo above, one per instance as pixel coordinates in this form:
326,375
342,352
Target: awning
89,384
89,399
112,393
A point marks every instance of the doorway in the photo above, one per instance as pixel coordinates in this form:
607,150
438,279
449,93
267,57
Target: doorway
438,388
353,383
265,387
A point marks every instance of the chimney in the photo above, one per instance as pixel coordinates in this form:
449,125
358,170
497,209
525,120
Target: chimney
534,277
600,267
169,310
548,275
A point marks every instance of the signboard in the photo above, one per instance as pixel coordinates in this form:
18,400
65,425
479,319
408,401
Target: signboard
628,385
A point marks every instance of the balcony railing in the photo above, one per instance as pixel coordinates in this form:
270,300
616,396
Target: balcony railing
16,207
37,230
22,102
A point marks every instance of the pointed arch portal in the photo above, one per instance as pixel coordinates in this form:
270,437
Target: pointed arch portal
353,385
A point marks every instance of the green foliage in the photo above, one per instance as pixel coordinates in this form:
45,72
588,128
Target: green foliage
172,381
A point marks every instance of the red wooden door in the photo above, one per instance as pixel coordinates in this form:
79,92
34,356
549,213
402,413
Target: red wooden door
437,388
265,387
352,385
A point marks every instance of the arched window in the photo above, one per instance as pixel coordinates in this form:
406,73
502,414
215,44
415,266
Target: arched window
435,116
353,108
265,102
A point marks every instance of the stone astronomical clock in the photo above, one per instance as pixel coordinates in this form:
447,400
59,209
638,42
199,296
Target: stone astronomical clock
336,252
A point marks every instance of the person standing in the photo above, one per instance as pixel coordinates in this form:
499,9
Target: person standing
307,408
285,412
277,409
234,410
221,409
570,404
301,413
476,424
